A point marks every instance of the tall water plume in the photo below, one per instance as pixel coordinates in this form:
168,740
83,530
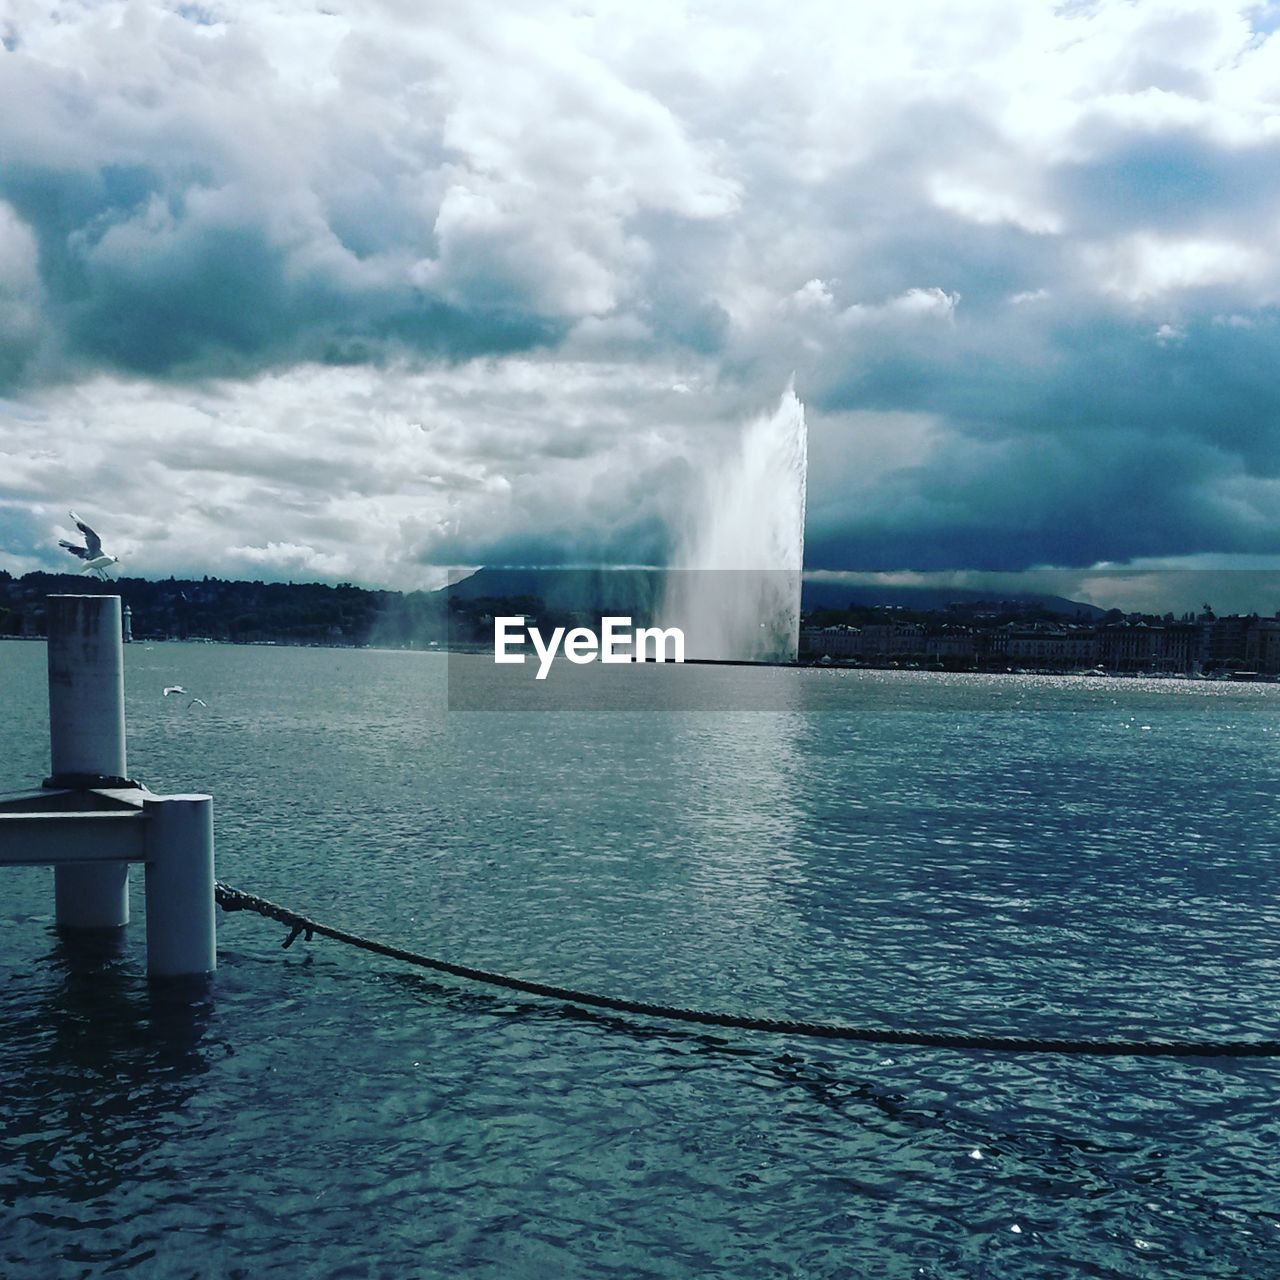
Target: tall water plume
735,581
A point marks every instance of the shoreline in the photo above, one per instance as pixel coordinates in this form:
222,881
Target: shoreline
1225,676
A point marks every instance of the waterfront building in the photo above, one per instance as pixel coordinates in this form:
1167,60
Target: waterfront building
831,642
892,640
1262,646
1130,646
1227,640
1183,646
951,644
1047,646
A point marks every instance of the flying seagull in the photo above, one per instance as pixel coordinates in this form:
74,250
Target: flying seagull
91,553
177,688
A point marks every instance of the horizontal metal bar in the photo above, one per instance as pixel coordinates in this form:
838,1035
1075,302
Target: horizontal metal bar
52,839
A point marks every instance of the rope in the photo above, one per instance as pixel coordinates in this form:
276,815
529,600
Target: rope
237,900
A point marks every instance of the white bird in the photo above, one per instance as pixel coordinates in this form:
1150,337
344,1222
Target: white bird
91,553
177,688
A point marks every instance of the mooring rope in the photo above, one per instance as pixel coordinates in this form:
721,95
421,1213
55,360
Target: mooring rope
230,899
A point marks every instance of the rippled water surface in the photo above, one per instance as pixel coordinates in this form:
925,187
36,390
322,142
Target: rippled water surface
1005,854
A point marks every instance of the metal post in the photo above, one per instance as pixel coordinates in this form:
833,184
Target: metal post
180,903
86,736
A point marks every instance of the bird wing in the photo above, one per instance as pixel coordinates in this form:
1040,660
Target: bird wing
91,539
82,552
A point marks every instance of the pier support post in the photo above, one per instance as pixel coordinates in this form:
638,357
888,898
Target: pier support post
180,900
86,736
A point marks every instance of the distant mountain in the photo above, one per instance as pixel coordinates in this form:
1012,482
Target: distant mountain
839,595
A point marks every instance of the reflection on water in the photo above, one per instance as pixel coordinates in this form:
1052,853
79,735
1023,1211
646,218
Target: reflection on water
734,777
1049,855
108,1066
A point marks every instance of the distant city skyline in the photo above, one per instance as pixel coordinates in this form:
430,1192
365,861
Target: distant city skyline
356,294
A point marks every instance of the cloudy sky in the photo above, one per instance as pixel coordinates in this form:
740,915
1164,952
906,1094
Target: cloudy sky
360,290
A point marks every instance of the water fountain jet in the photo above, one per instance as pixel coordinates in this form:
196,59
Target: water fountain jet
734,583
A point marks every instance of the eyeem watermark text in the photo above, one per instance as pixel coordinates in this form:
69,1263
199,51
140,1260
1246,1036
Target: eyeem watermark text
618,641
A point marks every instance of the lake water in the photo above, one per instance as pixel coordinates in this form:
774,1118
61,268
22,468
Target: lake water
1040,855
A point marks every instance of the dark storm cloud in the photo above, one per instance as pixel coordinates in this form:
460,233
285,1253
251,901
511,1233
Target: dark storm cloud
172,285
1113,495
642,541
1121,445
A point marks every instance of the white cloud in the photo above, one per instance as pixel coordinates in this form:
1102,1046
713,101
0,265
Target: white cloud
1145,266
286,559
377,476
992,203
931,304
813,295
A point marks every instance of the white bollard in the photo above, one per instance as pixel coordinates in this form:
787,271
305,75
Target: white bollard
180,903
86,736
